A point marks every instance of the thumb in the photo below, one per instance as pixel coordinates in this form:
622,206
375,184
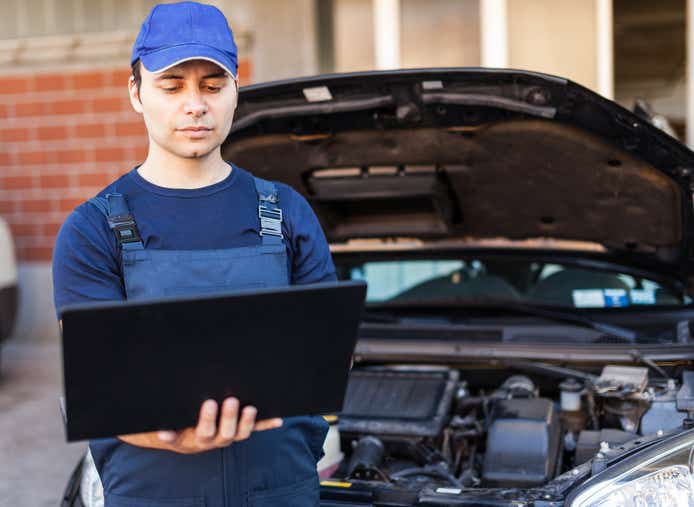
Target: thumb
167,436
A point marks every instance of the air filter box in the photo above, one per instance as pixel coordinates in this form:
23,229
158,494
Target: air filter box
398,402
523,443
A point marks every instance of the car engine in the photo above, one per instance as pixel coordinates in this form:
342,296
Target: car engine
425,426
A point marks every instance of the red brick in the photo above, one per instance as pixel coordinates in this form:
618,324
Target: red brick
108,105
4,111
36,205
35,253
51,133
31,157
16,182
94,180
50,229
70,156
53,181
29,109
14,84
90,130
120,77
69,204
244,72
24,230
5,157
49,82
131,128
121,170
14,135
68,106
88,80
141,152
7,206
109,154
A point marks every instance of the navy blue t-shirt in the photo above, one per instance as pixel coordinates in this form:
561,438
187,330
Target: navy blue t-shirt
86,258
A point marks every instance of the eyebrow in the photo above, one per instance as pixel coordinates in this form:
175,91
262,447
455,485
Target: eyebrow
177,76
215,75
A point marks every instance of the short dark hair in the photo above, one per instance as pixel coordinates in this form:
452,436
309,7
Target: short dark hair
137,75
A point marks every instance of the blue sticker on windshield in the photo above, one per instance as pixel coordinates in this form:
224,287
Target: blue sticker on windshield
600,298
616,297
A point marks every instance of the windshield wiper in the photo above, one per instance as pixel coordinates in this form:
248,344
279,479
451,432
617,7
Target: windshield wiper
539,311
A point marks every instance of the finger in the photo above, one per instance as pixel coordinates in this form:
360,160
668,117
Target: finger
207,422
246,423
268,424
227,423
167,436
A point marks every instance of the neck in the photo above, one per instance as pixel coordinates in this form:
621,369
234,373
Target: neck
168,170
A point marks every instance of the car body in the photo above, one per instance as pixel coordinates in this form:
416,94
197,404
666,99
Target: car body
529,251
9,291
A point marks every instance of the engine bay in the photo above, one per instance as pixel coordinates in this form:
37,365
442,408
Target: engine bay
447,429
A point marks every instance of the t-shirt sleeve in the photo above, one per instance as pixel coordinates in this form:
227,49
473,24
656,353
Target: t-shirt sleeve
310,253
85,261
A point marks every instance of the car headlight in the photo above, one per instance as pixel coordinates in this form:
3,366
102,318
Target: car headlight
659,476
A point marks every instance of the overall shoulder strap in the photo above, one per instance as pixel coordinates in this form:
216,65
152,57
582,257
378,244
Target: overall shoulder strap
269,212
115,208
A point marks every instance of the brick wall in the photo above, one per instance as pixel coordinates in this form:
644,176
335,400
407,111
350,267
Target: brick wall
63,137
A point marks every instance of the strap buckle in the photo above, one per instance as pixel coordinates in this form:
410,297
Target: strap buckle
270,221
125,229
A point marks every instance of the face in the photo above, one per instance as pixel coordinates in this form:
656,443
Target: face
188,109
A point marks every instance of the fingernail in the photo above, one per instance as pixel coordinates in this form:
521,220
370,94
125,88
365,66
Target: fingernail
167,436
230,403
209,406
279,422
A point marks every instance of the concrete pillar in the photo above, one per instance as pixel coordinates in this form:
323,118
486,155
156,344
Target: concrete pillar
605,48
493,33
387,33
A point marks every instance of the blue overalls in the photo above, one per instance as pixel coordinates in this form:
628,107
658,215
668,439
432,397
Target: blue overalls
271,468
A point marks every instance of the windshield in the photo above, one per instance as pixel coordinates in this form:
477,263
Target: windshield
531,282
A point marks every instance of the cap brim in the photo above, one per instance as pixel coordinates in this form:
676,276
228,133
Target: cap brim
162,59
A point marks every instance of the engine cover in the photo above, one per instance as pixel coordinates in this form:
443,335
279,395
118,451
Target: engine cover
523,443
397,402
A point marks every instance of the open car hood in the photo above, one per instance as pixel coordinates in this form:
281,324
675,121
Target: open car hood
471,153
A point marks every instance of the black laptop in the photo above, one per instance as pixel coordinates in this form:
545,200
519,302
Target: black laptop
131,367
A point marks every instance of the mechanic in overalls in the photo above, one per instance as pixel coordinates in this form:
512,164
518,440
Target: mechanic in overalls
187,222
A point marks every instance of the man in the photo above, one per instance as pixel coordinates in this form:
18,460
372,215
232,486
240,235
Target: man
186,222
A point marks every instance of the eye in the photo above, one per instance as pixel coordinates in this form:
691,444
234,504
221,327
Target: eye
213,89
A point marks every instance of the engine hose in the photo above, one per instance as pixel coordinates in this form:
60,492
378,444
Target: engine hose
467,477
430,471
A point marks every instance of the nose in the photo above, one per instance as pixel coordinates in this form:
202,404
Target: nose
195,104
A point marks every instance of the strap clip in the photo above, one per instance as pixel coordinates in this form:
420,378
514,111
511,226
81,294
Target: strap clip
270,221
125,229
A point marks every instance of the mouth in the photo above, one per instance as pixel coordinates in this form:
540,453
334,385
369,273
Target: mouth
195,132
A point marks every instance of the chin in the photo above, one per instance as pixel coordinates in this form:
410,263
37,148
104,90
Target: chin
197,151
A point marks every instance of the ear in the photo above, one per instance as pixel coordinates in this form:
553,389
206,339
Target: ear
236,95
134,95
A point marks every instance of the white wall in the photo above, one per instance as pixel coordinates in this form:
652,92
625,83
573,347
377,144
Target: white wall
283,39
36,318
554,36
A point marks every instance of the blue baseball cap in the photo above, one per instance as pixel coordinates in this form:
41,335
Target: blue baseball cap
175,33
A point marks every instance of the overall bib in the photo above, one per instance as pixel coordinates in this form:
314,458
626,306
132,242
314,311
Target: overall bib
271,468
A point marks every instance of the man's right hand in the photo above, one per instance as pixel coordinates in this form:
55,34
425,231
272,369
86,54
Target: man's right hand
206,436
